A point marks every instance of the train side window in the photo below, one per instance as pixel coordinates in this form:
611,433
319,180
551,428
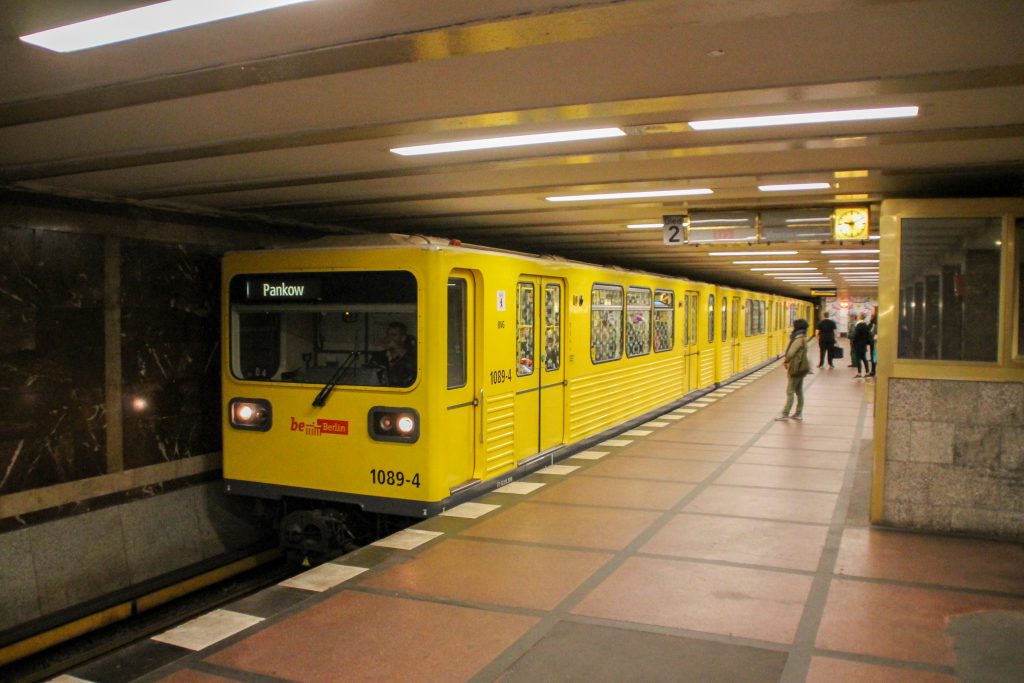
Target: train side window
664,317
711,318
456,332
949,270
606,323
735,317
1020,287
524,329
725,318
691,315
638,327
748,317
552,327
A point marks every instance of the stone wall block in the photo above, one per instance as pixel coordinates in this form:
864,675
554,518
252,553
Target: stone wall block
998,403
79,558
932,442
897,440
911,399
1012,455
908,482
161,534
19,599
995,523
977,447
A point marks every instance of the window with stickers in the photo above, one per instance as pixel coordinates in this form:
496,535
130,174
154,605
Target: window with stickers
638,327
664,308
606,311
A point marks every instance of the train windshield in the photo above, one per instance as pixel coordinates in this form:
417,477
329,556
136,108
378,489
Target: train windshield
352,328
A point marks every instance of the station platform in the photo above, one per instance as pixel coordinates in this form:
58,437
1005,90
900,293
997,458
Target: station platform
712,544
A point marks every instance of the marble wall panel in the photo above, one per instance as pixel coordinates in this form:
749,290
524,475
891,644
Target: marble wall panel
169,352
53,428
20,602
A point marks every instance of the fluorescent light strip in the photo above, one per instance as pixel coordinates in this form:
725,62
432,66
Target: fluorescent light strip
772,269
850,260
850,251
811,117
752,253
719,220
510,141
146,21
794,187
824,219
747,263
645,226
629,195
870,268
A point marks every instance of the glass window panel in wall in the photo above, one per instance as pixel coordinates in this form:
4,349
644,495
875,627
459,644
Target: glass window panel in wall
638,327
606,323
524,329
949,284
664,310
552,327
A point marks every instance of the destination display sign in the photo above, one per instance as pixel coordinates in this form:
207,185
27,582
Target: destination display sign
283,288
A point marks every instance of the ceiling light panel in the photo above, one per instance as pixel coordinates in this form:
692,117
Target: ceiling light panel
806,118
752,253
146,21
630,195
510,141
793,187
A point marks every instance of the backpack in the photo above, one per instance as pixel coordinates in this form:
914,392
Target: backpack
800,365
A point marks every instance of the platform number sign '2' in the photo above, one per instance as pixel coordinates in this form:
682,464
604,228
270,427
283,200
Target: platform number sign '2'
673,230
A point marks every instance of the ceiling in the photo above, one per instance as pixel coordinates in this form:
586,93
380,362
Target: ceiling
289,115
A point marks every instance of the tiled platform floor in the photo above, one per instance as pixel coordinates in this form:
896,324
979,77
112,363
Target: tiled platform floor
720,546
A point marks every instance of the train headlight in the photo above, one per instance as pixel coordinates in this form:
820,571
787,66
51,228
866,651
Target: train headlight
394,424
253,414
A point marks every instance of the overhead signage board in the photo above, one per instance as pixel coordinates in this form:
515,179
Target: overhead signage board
675,229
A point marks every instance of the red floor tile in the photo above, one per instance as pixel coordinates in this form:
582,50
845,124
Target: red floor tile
496,573
625,493
654,469
745,541
795,439
795,458
774,476
733,601
763,503
921,558
897,622
565,525
678,451
828,670
355,636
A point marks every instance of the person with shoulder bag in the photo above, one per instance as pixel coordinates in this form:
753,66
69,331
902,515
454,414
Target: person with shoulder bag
798,366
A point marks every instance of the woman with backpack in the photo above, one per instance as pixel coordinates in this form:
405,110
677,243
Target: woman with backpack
797,367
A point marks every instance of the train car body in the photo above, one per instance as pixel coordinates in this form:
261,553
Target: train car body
405,375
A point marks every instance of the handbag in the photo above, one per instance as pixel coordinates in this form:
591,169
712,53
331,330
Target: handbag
838,351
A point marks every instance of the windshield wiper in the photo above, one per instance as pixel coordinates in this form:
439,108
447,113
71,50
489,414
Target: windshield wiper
325,393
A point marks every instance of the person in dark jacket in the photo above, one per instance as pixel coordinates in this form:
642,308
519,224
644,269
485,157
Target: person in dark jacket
859,343
797,367
826,328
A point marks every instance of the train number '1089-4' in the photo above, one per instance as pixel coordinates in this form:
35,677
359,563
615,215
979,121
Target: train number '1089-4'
499,376
392,478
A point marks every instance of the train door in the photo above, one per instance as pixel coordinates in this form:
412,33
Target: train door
770,327
539,382
691,350
736,336
460,417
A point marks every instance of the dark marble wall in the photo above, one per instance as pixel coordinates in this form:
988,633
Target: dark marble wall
52,421
169,352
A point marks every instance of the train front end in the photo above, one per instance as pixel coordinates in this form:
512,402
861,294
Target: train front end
323,387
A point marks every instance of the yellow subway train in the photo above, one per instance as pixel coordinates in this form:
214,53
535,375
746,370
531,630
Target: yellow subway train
405,374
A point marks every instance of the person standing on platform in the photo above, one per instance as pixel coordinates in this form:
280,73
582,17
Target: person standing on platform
872,340
826,328
798,366
849,335
859,344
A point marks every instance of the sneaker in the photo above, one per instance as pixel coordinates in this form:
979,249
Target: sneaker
782,417
858,376
798,418
831,367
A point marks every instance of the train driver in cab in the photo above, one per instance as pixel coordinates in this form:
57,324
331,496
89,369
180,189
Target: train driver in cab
399,356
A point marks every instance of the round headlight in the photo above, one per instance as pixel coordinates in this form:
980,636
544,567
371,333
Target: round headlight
406,424
246,412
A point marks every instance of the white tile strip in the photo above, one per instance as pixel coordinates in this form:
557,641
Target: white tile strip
470,510
64,678
637,432
617,442
590,455
323,577
671,417
684,411
655,423
204,631
519,488
407,539
560,470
